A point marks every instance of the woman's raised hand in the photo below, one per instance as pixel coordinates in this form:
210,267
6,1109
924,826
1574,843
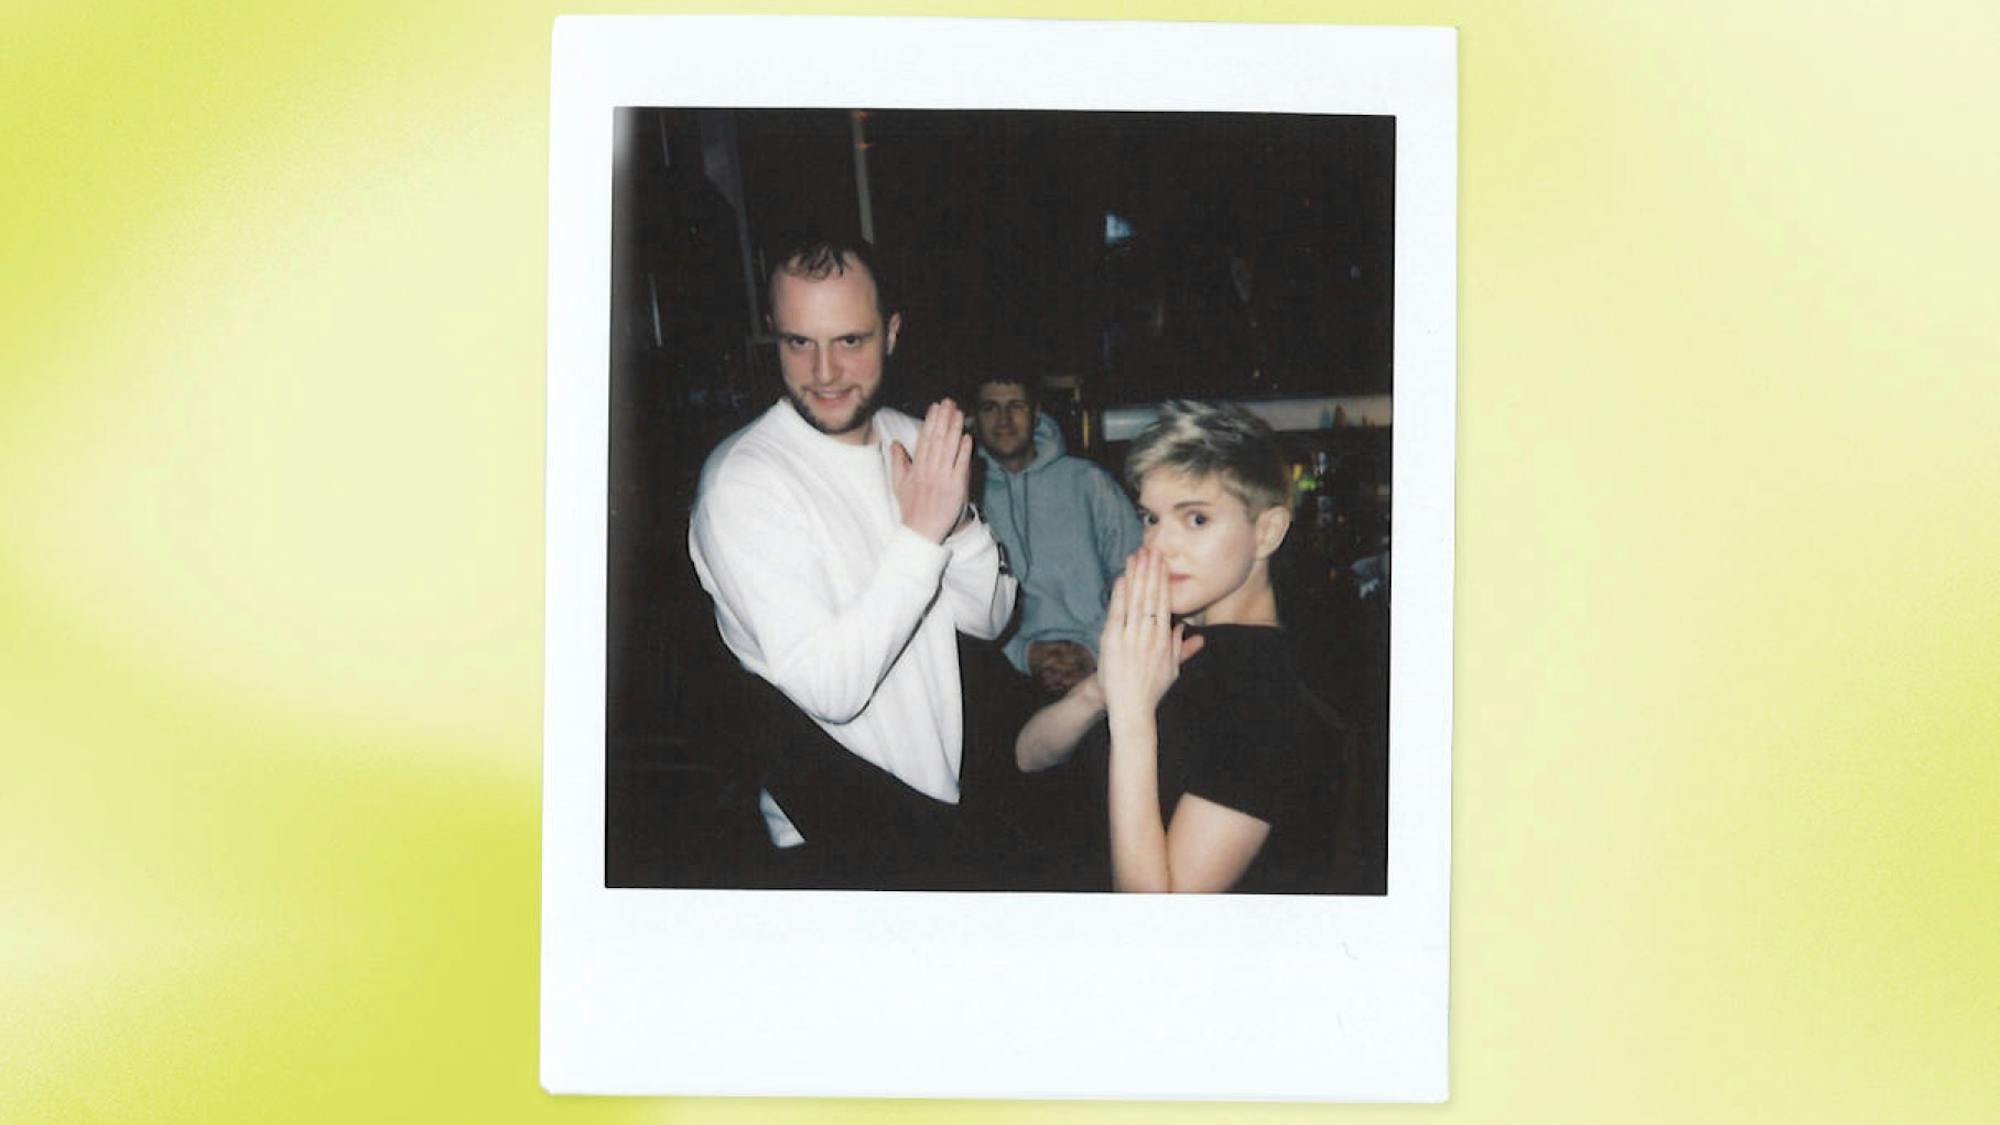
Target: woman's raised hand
1141,649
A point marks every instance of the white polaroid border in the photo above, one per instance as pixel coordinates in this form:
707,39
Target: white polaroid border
1262,998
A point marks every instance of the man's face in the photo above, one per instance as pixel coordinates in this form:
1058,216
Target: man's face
1005,418
832,345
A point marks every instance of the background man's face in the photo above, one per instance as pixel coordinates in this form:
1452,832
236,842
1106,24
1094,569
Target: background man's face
832,345
1005,418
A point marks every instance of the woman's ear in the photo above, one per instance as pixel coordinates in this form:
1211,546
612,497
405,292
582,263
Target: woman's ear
1272,524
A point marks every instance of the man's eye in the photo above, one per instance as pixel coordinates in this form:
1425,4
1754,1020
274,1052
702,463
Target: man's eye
850,341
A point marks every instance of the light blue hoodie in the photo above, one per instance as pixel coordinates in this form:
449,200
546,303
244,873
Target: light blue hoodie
1066,527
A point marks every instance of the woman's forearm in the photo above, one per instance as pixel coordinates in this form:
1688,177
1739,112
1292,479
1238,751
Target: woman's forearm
1051,735
1138,835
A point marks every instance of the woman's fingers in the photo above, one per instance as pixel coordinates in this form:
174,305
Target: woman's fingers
1114,611
1149,589
1141,572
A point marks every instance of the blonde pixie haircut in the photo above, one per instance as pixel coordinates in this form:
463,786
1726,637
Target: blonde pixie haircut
1222,440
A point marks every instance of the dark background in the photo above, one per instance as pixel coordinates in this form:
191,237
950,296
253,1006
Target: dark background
1129,257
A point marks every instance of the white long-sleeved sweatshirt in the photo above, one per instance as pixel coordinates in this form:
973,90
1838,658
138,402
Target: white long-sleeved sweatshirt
820,589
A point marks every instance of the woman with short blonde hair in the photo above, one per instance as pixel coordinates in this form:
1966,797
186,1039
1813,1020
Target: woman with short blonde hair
1221,769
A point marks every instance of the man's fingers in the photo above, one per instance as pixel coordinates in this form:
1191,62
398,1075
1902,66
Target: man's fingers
924,439
941,439
951,435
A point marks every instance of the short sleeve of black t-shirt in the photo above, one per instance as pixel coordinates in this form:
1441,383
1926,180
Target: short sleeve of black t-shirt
1236,730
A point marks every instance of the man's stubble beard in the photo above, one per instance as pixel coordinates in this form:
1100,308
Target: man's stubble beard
864,412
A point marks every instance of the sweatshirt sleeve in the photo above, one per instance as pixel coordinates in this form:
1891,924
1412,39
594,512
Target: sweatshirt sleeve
980,597
1118,530
1016,651
777,613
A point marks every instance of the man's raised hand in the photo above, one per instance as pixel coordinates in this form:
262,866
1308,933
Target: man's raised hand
930,486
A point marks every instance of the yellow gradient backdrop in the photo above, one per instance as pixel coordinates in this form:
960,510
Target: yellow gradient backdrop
271,375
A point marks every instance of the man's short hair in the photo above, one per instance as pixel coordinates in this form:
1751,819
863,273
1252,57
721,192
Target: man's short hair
1222,440
997,357
815,255
1029,384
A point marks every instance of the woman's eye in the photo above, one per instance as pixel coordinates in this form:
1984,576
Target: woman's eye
1197,519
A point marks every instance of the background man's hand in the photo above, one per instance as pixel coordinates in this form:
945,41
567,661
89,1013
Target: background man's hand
1058,666
930,486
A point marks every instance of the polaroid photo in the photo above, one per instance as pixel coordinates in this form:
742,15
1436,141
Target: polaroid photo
878,350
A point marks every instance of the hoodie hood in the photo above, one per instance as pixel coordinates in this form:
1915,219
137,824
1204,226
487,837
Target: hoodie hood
1065,527
1049,448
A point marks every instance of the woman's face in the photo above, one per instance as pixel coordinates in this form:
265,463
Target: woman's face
1208,538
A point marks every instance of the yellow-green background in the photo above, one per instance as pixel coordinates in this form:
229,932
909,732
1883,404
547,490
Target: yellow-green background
1728,634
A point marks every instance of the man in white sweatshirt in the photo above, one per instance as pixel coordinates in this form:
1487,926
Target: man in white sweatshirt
836,541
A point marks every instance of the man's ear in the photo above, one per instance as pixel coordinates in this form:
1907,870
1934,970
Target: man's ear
889,335
1272,524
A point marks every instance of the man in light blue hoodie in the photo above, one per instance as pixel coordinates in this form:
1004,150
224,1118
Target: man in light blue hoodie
1065,526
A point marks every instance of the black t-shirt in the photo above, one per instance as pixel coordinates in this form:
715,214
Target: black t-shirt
1237,729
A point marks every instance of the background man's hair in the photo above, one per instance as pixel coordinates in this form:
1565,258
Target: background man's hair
816,254
1031,385
1222,440
997,360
